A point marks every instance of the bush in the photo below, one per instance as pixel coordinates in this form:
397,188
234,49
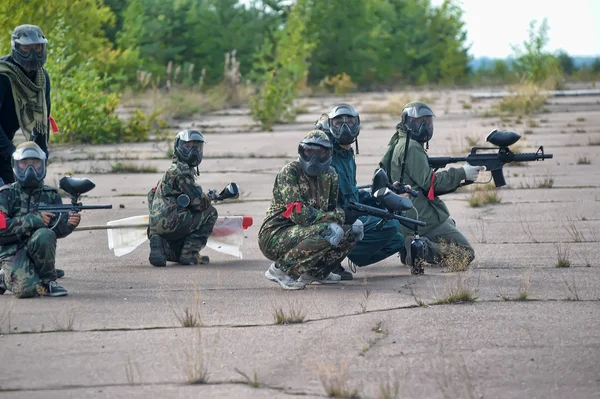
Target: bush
81,105
341,83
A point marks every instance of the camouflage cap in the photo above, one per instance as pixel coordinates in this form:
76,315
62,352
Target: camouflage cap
317,137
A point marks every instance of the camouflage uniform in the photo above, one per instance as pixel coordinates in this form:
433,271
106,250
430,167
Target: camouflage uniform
297,221
185,230
28,246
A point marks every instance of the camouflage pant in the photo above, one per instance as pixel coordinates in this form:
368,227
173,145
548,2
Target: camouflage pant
185,233
32,265
297,250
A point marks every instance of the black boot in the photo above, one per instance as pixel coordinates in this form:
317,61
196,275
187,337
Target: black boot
60,273
157,255
339,270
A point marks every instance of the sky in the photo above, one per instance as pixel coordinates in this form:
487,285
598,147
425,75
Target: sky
493,25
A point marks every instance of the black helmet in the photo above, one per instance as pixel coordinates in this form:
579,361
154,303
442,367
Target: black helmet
344,124
315,153
417,121
29,47
29,165
189,147
322,124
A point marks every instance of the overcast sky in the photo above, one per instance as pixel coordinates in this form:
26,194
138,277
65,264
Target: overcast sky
493,25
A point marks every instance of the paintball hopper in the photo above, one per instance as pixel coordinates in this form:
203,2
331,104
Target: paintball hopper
392,201
232,191
380,189
502,138
75,186
380,180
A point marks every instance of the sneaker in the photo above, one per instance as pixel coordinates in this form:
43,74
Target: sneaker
194,260
157,255
340,271
53,289
285,281
2,284
332,278
60,273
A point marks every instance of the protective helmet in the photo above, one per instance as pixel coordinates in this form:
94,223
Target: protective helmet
189,147
322,124
315,153
417,121
344,124
29,47
29,165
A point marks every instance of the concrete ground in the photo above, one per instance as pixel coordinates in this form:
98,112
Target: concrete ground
119,332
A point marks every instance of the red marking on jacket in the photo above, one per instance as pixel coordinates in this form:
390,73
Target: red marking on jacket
431,194
290,207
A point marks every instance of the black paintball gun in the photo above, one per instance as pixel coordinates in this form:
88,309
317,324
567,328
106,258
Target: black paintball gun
72,186
493,158
75,187
232,191
395,206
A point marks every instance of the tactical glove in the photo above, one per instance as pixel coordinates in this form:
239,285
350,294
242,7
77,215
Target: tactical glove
358,229
334,234
472,172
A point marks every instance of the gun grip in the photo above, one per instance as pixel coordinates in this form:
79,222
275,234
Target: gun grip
498,176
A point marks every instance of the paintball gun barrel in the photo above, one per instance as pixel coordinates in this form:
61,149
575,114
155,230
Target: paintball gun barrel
494,161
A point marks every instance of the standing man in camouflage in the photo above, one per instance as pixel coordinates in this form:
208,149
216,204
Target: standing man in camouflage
304,232
28,237
342,125
440,234
181,214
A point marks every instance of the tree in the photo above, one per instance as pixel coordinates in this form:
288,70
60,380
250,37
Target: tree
532,62
566,63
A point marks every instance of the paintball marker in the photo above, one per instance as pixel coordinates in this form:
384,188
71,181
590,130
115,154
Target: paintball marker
232,191
394,205
74,187
494,161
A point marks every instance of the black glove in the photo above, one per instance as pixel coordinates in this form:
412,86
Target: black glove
350,216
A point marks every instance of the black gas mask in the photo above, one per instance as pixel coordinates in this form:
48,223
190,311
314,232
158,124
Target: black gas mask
189,147
344,124
417,121
315,153
29,47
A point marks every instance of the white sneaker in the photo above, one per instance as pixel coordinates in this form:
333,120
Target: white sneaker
285,281
332,278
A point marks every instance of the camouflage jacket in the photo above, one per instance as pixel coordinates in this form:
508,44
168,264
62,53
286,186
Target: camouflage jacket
178,179
302,200
20,216
420,176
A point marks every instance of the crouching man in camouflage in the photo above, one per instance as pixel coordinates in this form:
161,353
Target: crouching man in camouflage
181,214
303,231
28,237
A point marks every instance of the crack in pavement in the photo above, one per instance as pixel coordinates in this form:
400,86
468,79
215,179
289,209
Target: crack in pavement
125,384
213,326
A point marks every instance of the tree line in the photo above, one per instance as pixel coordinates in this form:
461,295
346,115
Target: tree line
99,48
